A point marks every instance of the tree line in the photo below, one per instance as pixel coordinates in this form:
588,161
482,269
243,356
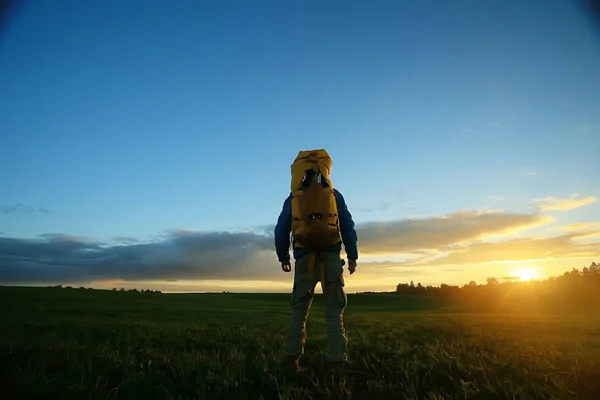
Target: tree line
573,289
113,289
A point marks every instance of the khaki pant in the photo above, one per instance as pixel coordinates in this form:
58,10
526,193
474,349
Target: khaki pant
327,268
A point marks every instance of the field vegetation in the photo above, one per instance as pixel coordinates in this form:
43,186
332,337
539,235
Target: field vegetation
520,340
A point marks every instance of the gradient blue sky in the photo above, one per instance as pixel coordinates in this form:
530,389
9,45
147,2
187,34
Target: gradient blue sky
128,119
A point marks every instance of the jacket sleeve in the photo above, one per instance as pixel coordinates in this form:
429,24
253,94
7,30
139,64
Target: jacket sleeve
349,236
283,230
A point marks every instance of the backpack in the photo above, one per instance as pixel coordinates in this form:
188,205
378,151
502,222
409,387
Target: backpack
315,223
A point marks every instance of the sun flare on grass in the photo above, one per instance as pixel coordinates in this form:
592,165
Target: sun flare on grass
526,274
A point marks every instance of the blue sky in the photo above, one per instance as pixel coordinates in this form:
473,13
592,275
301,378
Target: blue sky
128,120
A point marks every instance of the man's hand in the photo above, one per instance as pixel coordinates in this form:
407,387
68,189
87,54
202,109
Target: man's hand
286,266
351,266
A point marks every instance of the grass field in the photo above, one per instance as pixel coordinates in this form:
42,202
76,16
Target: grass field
75,344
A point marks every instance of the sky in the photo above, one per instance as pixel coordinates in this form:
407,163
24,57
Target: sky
151,146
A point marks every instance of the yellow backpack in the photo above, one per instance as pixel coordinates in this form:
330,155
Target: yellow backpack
315,224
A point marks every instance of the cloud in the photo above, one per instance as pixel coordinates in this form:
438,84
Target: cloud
440,231
125,239
64,238
586,230
555,204
184,254
532,173
181,255
498,198
564,246
20,209
579,226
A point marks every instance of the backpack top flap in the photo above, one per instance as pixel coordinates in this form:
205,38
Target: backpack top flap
317,160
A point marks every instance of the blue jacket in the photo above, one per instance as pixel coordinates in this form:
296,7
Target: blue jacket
284,228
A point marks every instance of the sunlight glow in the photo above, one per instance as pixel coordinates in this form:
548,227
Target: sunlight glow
526,274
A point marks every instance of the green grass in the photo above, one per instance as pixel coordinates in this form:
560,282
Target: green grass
75,344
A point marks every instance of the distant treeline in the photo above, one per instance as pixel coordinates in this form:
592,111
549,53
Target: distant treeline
114,289
573,289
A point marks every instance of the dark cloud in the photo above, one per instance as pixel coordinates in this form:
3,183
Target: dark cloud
180,255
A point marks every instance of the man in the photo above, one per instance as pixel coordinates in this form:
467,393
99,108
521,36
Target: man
312,266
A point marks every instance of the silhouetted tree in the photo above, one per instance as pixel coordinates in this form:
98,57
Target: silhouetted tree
492,281
572,289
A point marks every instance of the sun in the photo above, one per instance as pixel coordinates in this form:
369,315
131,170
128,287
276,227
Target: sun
526,274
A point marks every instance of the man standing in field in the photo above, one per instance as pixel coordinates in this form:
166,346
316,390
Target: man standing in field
316,214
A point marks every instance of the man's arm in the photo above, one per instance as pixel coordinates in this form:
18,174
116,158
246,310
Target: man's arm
282,232
349,236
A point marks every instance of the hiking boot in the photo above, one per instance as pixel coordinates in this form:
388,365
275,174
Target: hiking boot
292,366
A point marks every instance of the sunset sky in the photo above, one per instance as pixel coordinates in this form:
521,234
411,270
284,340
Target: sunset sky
150,146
